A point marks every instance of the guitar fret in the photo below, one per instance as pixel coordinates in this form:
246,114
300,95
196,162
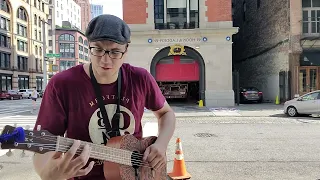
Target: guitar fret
97,151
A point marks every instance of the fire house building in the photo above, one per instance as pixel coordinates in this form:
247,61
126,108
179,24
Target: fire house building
184,42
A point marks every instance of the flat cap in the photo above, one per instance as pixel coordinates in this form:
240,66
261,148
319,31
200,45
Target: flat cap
108,27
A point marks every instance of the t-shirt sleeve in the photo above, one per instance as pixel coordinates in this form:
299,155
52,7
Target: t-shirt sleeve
52,114
154,97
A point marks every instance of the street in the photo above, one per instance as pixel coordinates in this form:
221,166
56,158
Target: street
214,147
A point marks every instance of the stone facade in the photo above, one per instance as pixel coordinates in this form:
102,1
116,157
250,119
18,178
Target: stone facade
215,24
25,58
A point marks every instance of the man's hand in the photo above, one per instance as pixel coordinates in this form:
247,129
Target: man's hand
67,166
155,155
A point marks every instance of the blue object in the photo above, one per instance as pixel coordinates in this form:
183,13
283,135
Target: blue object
149,40
17,135
228,38
205,39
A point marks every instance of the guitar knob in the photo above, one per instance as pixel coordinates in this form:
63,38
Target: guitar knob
38,127
9,153
23,154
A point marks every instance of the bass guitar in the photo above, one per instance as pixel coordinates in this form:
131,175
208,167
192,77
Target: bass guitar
122,155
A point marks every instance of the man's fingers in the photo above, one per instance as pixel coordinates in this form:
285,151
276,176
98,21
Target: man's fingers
80,161
145,154
83,172
70,153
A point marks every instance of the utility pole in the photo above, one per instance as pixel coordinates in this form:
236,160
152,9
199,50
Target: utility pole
44,62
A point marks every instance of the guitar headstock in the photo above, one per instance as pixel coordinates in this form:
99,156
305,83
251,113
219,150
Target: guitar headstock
40,141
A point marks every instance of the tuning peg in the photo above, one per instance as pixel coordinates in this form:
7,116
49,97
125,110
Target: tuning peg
9,153
38,127
23,154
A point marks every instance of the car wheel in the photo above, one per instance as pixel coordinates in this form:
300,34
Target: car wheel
292,111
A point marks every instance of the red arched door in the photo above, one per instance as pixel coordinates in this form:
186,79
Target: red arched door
177,68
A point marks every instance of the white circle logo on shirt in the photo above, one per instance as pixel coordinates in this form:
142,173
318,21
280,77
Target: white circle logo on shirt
97,129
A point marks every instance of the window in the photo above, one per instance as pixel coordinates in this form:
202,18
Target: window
5,41
311,16
4,23
312,96
159,14
4,60
6,82
67,50
177,14
36,50
64,65
22,63
66,37
22,46
39,81
80,40
23,82
37,64
4,6
21,30
35,19
39,21
22,14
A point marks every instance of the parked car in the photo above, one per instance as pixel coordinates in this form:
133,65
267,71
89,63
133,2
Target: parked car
10,94
249,94
26,93
306,104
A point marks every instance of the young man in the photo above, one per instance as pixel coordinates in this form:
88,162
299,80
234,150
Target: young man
70,104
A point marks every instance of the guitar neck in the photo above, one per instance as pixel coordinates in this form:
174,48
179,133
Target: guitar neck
99,152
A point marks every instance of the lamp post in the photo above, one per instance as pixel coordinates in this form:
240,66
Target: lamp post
44,62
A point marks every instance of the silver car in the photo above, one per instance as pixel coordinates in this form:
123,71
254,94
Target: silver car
307,104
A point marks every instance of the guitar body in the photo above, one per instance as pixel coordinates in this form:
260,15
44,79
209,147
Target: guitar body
115,171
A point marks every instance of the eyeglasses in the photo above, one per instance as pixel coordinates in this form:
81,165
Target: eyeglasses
101,52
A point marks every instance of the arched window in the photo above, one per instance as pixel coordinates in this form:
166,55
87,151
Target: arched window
80,40
22,14
85,42
36,50
66,37
4,6
40,21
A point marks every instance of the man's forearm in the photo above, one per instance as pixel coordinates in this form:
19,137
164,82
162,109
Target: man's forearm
167,123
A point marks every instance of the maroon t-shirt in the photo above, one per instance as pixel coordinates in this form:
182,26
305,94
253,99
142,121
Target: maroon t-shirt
69,105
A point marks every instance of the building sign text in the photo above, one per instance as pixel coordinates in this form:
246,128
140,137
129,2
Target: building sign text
178,40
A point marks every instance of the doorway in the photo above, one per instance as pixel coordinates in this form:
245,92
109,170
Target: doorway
308,79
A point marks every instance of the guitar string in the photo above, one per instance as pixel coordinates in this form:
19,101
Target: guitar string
98,155
54,139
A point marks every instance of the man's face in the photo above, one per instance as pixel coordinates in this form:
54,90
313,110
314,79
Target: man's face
107,64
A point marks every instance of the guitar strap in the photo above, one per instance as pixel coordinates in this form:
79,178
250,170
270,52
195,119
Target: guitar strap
113,130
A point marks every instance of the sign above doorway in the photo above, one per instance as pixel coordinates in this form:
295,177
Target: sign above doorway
178,40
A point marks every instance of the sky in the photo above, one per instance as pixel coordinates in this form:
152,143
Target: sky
113,7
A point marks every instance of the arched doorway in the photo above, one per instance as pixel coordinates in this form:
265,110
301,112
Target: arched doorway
183,52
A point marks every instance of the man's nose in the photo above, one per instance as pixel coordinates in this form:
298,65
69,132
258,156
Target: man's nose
106,58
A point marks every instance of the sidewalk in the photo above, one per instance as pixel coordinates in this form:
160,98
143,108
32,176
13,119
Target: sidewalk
245,110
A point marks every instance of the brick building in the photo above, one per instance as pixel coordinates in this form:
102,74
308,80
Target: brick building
21,43
85,13
277,47
184,40
73,48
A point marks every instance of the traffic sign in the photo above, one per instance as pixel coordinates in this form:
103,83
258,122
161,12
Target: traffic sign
50,55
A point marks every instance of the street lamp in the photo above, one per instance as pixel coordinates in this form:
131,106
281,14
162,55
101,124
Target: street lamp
44,62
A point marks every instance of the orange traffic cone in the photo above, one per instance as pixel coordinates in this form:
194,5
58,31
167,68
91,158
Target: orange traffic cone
179,167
